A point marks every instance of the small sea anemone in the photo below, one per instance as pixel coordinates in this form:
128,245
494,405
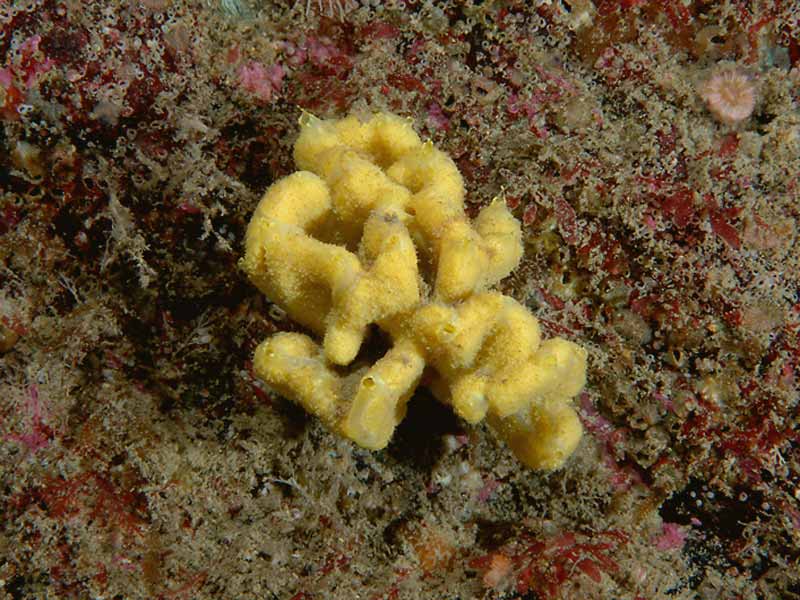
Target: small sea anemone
730,95
331,8
229,8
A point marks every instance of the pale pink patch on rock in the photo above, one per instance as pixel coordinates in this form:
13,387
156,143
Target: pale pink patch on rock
6,78
672,536
260,80
321,51
437,117
490,484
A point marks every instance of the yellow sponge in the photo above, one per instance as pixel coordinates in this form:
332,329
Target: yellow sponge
372,232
